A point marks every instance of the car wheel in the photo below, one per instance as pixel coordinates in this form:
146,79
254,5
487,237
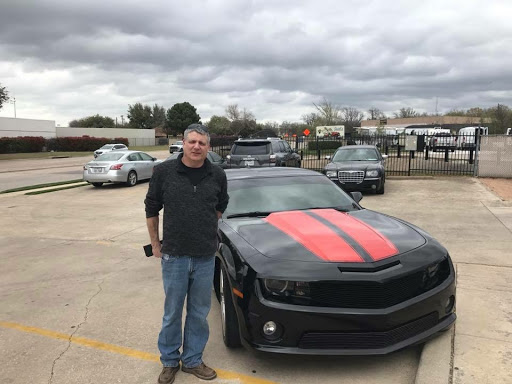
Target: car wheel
380,191
132,179
97,184
230,330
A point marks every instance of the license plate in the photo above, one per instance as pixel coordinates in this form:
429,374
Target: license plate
97,170
249,163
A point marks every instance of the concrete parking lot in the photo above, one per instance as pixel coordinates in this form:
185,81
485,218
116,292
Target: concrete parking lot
82,304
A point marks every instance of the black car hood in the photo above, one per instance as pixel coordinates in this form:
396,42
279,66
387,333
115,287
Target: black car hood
327,235
352,165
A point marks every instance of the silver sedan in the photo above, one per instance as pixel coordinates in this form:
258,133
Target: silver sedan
120,167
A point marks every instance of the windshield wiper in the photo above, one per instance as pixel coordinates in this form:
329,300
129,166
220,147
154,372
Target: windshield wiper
249,214
339,208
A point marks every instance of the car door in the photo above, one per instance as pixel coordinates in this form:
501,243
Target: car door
146,165
291,161
135,162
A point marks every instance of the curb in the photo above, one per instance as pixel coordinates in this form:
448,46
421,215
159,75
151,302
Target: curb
435,361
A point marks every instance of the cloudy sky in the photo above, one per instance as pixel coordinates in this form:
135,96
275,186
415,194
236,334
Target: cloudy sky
64,59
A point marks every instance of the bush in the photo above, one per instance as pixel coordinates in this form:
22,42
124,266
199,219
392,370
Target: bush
83,144
21,144
25,144
323,144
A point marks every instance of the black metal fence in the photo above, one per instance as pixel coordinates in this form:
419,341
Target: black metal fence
434,155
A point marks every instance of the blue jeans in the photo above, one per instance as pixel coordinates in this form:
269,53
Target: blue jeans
190,277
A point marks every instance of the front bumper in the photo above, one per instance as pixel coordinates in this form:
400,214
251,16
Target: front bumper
348,331
368,184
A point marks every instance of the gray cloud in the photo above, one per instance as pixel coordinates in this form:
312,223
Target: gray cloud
64,60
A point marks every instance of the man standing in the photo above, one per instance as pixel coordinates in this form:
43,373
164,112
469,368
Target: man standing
193,193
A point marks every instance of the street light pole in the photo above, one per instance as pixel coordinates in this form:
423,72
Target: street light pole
12,101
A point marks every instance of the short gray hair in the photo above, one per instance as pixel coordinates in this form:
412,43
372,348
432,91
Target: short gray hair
198,128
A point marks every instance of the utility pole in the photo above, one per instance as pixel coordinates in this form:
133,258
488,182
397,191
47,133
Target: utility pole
122,120
12,101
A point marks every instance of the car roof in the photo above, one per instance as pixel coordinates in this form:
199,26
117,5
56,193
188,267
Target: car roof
358,147
255,140
267,172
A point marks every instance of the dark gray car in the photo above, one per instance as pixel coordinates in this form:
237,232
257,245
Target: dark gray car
357,168
262,153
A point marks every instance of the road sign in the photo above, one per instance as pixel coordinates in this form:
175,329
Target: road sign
307,132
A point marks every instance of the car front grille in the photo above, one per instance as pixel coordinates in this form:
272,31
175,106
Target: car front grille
370,294
351,177
367,340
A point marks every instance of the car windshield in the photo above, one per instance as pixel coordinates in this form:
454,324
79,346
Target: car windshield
356,154
251,148
274,194
179,143
107,146
111,156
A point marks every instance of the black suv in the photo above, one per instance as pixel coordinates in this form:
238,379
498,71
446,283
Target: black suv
262,153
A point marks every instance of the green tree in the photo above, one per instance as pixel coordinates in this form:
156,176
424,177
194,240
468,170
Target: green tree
219,125
95,121
4,96
179,117
501,119
158,116
140,116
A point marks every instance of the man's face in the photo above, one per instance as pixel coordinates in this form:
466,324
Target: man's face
195,147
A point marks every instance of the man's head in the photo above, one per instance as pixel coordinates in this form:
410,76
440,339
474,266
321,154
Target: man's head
196,142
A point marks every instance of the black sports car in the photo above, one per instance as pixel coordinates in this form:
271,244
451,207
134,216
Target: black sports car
357,168
303,268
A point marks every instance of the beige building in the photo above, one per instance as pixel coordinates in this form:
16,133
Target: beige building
427,120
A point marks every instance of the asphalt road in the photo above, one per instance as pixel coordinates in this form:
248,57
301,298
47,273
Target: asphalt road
81,303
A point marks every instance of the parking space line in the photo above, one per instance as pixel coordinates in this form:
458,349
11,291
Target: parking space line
222,374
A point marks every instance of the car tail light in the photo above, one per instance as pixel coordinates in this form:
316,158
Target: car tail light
116,167
272,158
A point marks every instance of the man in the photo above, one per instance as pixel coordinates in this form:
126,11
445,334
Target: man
193,193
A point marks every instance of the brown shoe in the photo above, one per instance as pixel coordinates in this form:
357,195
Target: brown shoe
201,371
167,375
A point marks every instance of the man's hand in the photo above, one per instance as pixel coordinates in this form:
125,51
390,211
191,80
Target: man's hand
219,215
157,250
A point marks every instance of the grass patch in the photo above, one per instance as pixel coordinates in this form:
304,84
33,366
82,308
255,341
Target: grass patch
37,186
55,189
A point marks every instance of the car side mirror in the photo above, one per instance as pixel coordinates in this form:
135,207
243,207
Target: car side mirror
356,196
153,159
328,157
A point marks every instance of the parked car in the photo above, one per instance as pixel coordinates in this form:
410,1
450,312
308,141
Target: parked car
176,147
120,167
110,147
467,136
262,153
214,158
302,268
357,168
442,141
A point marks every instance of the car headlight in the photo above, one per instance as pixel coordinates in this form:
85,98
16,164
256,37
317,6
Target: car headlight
331,174
372,173
286,288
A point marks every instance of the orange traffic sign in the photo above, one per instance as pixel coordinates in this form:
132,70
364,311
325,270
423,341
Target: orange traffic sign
307,132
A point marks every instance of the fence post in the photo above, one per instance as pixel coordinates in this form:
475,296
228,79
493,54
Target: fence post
317,149
470,155
410,157
426,152
446,155
398,153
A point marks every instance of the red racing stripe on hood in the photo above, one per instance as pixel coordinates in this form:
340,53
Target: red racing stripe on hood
315,236
377,245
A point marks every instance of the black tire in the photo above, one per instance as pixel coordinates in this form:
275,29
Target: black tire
380,191
229,321
97,184
132,179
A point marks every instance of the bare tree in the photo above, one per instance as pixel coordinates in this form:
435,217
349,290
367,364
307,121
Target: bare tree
310,118
405,113
330,113
233,112
376,113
